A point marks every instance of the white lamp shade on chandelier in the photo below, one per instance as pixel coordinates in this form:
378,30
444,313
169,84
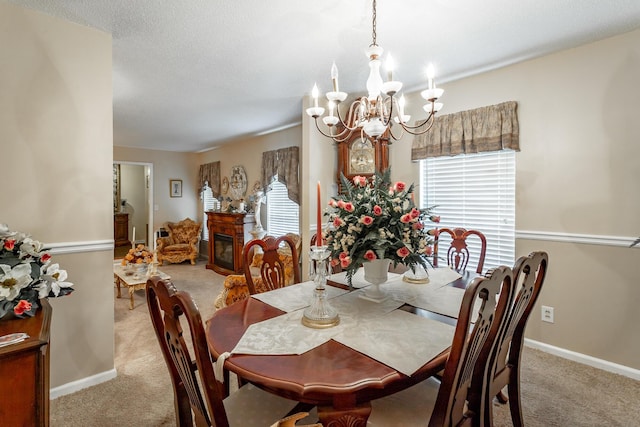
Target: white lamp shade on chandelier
377,113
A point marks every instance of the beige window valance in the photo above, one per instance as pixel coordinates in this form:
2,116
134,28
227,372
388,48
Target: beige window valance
210,173
491,128
283,163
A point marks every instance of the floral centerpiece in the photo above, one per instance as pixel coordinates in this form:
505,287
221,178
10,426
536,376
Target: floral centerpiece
27,274
138,255
376,219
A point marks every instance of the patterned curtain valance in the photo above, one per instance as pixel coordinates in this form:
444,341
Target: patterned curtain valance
210,173
284,163
491,128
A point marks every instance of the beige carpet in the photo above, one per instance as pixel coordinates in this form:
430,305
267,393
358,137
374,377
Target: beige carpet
556,392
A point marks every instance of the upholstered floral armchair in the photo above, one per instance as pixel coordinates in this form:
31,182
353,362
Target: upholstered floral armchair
235,285
181,244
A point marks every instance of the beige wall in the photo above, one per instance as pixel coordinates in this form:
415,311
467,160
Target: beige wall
168,165
248,153
577,174
56,139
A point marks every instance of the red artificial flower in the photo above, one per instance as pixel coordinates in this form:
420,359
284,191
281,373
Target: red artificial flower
370,255
415,213
406,218
366,220
428,250
377,210
45,257
21,307
399,186
435,218
349,207
337,222
340,204
343,255
360,180
403,252
9,244
417,226
344,262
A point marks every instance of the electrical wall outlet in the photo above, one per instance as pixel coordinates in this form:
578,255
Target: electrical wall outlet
547,314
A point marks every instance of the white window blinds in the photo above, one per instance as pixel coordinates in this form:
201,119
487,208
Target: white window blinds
282,213
209,203
474,191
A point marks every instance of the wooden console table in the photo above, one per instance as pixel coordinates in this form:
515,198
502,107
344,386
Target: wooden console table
24,371
227,234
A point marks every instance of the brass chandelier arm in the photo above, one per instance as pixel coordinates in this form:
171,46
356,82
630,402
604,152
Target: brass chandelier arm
351,116
409,129
340,137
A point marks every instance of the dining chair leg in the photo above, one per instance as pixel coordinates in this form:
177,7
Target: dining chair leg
515,406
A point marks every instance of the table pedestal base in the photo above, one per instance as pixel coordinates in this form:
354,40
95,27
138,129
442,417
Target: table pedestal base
355,417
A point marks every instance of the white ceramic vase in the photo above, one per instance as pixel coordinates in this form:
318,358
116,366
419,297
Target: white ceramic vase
376,272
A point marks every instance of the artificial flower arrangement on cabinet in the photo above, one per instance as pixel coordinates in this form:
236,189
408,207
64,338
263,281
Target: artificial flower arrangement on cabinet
375,219
27,274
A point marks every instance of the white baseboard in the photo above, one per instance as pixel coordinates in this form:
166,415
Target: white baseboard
74,386
584,359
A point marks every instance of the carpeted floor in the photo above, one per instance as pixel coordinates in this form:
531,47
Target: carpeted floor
555,391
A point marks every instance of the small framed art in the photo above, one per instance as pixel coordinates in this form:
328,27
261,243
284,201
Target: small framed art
175,187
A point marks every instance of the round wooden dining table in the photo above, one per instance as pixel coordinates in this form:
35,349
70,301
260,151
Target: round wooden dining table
340,381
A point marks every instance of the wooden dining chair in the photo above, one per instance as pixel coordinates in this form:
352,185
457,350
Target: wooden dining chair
198,395
272,268
458,252
528,276
458,400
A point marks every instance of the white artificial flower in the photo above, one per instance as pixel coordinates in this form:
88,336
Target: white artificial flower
12,280
5,232
54,279
30,247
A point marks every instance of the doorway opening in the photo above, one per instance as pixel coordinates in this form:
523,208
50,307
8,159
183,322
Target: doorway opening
133,205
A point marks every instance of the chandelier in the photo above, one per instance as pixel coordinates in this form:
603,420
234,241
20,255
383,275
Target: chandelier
377,113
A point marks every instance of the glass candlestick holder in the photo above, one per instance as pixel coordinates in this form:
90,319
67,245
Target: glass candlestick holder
320,314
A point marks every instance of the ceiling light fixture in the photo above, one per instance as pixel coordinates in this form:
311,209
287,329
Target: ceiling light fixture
376,113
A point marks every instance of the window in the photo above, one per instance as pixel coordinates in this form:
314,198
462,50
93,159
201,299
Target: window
209,203
475,191
282,213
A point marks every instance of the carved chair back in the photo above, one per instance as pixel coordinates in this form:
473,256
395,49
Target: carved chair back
529,274
272,268
458,252
167,306
462,392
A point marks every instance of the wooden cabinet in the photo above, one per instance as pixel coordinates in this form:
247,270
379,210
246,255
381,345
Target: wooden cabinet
227,234
121,229
24,371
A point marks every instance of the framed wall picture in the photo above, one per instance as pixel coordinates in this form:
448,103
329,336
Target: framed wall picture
175,187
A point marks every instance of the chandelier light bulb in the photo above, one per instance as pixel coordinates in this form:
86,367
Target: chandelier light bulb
390,65
431,74
401,104
314,95
334,77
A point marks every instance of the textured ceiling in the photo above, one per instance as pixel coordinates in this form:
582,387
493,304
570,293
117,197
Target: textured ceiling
191,75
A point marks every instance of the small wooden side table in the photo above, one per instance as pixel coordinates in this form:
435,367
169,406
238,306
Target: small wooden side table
131,280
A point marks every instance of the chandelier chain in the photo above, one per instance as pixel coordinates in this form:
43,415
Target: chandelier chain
373,25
